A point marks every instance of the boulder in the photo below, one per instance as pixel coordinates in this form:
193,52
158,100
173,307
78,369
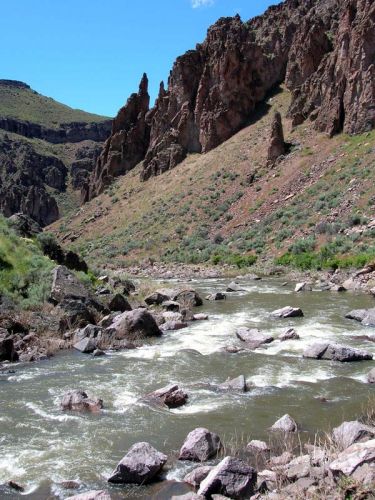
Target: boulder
24,225
232,477
256,446
253,337
216,296
276,146
171,396
171,305
280,460
75,313
371,376
78,400
128,286
353,457
118,303
86,345
7,350
234,287
267,480
172,316
141,465
336,352
299,467
98,353
337,288
197,475
91,495
302,287
65,285
157,298
173,325
200,445
188,298
349,433
285,424
234,384
288,312
138,322
365,316
89,331
289,334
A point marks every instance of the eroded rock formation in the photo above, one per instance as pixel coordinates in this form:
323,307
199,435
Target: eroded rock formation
322,49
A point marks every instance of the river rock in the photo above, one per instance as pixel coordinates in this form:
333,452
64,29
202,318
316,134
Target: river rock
285,424
135,323
232,477
349,433
172,316
91,495
197,475
7,350
156,298
78,400
353,457
267,480
171,305
365,316
253,337
142,464
118,303
216,296
173,325
302,287
234,384
337,288
288,312
371,376
86,345
280,460
200,445
98,353
234,287
188,298
256,446
289,334
335,352
171,396
89,331
299,467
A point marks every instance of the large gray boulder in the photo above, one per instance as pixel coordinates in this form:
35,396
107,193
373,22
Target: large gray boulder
86,345
353,457
234,384
91,495
289,334
285,424
141,465
365,316
188,298
65,285
298,467
287,312
171,396
197,475
157,298
200,445
234,287
256,446
253,337
336,352
349,433
78,400
216,296
118,303
134,324
232,477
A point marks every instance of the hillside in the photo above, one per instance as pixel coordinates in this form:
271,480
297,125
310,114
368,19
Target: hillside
228,205
19,101
47,151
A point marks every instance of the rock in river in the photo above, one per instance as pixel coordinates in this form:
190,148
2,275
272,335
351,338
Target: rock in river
200,445
232,477
285,424
371,376
335,352
353,457
288,312
234,384
349,433
234,287
197,475
253,337
138,322
289,334
79,401
365,316
171,396
140,465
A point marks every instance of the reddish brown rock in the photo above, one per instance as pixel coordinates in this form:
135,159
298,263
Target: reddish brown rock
276,147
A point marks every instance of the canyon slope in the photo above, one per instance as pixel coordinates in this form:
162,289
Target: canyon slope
322,50
46,152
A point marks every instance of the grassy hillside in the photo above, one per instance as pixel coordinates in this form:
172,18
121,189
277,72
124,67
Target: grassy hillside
311,210
24,103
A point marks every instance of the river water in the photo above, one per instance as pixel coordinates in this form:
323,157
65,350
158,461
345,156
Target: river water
42,446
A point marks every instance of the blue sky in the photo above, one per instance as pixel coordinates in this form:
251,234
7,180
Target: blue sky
90,54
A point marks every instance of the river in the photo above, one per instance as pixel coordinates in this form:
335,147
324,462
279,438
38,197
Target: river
42,446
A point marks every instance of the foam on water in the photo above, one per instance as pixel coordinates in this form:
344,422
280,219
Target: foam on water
50,416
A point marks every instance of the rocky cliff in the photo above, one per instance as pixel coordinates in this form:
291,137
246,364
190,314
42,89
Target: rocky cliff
322,49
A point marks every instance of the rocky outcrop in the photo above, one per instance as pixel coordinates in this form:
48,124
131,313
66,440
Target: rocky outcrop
126,145
323,50
276,147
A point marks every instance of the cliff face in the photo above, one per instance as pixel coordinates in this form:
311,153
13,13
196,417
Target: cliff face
322,49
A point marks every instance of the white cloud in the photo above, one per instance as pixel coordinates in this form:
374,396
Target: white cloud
201,3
